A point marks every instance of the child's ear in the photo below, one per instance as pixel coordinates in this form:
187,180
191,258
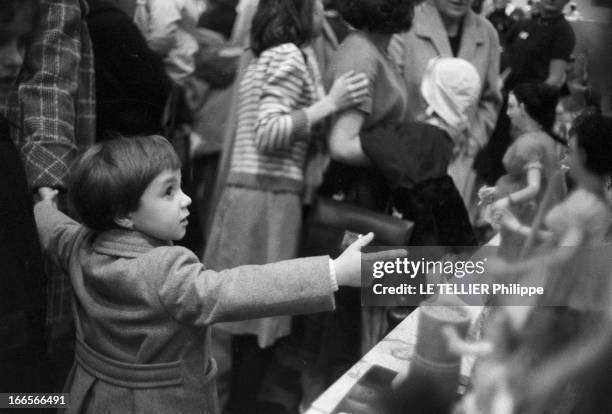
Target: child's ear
124,222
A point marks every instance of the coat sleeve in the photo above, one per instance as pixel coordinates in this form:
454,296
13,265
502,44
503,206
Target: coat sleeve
57,232
48,93
196,296
280,119
491,97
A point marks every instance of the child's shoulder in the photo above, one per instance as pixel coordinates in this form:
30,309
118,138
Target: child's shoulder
164,256
150,254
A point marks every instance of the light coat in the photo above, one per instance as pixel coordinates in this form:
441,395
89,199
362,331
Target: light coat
143,310
479,45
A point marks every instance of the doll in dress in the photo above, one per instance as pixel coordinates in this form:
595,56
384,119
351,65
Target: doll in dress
530,161
576,266
582,220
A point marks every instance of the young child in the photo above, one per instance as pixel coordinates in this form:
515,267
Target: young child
22,282
143,306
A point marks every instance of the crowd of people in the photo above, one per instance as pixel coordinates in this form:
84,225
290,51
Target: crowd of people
161,160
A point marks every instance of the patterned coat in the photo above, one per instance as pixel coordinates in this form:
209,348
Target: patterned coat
143,310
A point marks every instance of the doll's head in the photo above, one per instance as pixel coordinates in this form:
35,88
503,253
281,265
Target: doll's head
131,183
533,102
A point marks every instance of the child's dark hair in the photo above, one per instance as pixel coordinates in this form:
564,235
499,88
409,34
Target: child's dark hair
378,16
593,132
282,21
108,179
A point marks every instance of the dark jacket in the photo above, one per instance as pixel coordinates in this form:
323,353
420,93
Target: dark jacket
132,86
22,281
413,158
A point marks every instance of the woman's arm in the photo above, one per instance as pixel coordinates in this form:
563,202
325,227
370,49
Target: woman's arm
344,143
281,121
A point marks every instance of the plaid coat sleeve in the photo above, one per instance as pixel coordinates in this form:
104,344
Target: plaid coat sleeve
56,94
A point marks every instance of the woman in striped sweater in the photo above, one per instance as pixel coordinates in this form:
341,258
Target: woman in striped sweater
259,216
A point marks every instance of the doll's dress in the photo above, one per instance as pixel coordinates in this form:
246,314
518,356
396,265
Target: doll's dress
530,150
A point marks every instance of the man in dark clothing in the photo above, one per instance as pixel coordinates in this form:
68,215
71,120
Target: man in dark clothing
23,365
132,86
538,51
501,21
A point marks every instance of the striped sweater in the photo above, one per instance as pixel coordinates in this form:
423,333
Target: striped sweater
272,136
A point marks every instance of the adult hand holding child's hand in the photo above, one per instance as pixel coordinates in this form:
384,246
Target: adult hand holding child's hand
48,195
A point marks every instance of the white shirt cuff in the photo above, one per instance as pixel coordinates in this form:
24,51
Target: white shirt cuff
332,275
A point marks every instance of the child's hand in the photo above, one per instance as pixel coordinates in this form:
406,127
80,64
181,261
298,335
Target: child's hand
348,264
48,195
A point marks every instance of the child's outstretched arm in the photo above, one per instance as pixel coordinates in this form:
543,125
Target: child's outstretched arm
196,296
57,232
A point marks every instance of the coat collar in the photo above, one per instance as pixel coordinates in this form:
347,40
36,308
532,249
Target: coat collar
126,243
428,24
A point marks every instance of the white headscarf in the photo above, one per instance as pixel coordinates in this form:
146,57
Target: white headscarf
451,87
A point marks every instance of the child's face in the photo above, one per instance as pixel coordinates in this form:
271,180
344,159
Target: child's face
13,36
163,208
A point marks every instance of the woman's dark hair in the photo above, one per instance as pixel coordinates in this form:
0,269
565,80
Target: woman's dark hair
540,102
282,21
109,178
378,16
593,133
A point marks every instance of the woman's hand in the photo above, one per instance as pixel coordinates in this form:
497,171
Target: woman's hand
348,90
